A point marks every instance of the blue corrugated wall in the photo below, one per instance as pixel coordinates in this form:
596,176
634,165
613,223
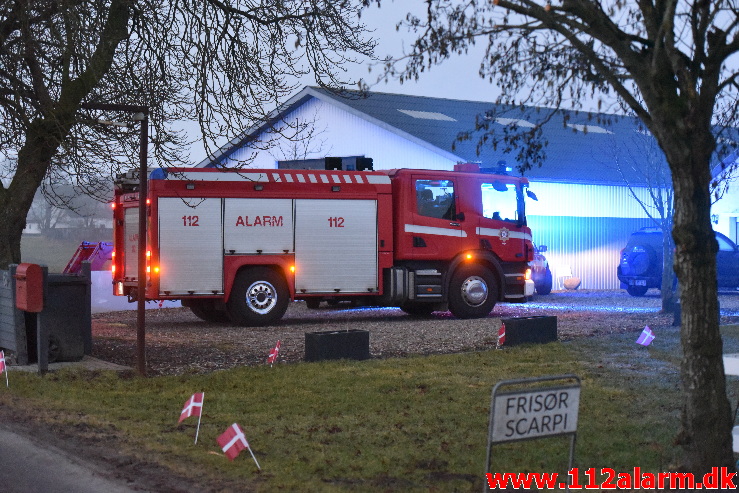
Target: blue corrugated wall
589,246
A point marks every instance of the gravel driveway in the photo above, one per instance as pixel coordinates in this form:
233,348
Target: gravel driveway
179,343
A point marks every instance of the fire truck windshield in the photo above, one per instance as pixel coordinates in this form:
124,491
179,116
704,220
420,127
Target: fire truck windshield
500,201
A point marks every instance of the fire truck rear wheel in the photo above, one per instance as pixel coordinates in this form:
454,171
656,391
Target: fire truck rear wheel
207,311
473,292
259,297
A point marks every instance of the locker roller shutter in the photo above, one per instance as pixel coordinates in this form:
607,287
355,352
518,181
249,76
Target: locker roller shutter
336,246
190,245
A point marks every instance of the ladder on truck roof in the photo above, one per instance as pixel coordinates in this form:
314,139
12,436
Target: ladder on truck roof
98,254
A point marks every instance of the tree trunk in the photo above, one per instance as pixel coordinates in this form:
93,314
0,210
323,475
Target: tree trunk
667,288
706,423
34,159
44,135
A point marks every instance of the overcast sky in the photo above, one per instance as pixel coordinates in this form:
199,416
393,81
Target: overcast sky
456,78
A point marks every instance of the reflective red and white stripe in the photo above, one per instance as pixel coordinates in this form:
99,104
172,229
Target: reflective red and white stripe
285,177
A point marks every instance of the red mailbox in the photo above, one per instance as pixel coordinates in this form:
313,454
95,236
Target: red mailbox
29,288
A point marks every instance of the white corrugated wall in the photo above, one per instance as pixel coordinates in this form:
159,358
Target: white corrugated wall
335,132
584,200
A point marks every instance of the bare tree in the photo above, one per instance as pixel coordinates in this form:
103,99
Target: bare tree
663,60
642,165
45,214
222,63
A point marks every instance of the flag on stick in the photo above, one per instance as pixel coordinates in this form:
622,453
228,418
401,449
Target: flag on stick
501,336
3,368
273,354
193,407
233,441
646,337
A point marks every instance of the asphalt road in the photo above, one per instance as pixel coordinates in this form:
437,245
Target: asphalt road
27,466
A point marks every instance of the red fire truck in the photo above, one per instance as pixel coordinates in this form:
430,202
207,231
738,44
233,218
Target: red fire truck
239,245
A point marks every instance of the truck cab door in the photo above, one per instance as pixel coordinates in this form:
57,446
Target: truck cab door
434,231
499,223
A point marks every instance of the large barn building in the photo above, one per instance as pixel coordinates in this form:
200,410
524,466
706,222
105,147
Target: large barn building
584,213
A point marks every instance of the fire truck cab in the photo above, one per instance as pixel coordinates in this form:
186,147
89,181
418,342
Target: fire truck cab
239,245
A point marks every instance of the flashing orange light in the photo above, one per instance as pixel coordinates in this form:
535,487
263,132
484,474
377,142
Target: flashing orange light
469,256
156,270
113,254
527,275
292,269
112,268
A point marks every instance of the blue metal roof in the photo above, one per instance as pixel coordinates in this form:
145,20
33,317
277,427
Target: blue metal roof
581,146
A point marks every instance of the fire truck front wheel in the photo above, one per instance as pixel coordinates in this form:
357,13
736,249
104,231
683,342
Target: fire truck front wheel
473,292
418,310
259,297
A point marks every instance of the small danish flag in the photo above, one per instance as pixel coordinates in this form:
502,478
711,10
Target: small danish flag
193,406
273,354
646,337
501,335
233,441
3,367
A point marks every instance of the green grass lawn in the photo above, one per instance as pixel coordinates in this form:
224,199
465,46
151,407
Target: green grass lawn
401,424
52,252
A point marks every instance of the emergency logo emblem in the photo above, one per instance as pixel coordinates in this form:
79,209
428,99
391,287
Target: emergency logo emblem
505,235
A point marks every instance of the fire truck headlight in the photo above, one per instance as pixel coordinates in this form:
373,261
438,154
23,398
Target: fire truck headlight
527,275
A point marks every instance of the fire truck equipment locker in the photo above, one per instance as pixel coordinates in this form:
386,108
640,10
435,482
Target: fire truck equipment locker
131,242
190,245
335,246
258,226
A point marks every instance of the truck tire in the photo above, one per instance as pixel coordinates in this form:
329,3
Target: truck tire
637,290
206,310
419,310
473,292
313,303
259,297
545,286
